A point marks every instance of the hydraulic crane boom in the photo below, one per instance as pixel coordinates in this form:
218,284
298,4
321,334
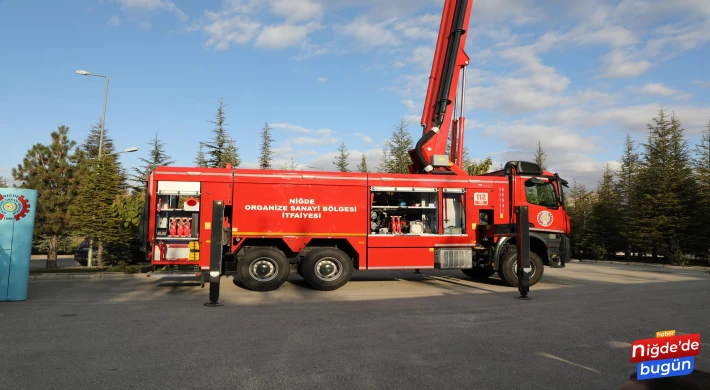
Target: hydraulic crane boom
439,118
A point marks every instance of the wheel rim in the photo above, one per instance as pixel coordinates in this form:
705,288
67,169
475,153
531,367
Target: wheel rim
263,269
532,268
328,269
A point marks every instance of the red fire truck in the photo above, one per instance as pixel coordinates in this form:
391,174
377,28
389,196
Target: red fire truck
328,224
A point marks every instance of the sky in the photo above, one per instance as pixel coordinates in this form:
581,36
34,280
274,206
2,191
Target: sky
575,75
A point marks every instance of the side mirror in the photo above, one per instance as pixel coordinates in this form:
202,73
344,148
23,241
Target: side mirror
536,180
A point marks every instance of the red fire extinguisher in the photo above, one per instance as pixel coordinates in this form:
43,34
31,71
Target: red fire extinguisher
173,227
188,228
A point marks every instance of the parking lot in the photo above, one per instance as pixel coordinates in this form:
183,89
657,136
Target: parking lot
382,330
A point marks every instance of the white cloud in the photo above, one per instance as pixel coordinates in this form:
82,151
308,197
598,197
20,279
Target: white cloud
371,34
297,10
145,25
114,21
152,5
224,30
284,35
291,127
365,138
322,79
620,64
701,83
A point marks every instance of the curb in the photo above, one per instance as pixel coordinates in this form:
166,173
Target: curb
76,275
688,268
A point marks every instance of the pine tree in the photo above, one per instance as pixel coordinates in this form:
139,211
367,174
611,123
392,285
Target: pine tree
266,159
662,214
156,158
91,150
341,160
626,177
540,156
290,165
52,170
92,213
701,164
91,143
399,146
580,203
3,182
362,167
222,150
385,160
602,228
200,160
479,167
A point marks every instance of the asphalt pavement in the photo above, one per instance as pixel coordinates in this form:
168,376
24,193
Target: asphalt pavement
396,330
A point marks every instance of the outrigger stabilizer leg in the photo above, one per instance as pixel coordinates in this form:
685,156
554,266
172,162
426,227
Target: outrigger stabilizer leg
216,252
523,247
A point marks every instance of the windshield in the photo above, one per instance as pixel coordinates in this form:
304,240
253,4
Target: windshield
542,194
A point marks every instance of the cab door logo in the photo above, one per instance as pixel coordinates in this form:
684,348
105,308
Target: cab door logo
13,207
545,218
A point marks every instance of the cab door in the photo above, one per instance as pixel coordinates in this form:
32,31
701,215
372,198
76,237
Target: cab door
545,211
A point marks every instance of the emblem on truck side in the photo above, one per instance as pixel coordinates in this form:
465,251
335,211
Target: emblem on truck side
545,218
13,207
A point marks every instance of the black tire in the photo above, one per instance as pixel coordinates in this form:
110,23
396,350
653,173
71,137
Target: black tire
263,269
478,273
327,269
508,267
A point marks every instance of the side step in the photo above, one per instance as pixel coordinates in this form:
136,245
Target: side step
178,275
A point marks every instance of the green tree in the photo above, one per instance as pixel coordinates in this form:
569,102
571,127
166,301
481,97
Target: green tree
290,165
52,171
91,143
626,177
540,156
200,160
3,182
91,150
399,146
481,167
266,158
341,160
222,150
92,213
702,173
362,167
385,160
580,203
668,191
157,157
603,230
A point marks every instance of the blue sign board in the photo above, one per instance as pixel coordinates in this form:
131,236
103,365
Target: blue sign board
17,222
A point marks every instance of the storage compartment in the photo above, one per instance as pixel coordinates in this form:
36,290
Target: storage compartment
454,216
404,211
177,210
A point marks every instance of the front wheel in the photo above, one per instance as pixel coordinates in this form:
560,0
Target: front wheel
508,270
327,269
263,269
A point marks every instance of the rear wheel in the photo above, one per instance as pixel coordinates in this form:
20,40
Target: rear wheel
326,269
263,269
509,268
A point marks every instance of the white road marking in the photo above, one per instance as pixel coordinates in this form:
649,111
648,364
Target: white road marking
547,355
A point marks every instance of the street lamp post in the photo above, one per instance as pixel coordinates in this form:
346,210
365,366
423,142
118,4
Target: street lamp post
90,255
103,116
